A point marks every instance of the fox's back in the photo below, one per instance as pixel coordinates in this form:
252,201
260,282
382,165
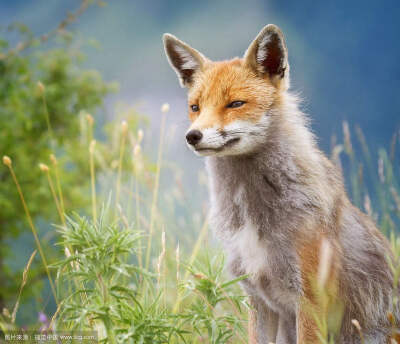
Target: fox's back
366,281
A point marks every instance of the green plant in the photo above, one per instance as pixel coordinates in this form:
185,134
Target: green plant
210,292
41,95
102,287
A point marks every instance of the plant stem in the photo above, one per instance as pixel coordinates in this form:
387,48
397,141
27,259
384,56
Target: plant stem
110,331
106,319
34,232
47,115
59,189
24,279
202,235
93,179
59,210
138,211
61,214
121,155
155,191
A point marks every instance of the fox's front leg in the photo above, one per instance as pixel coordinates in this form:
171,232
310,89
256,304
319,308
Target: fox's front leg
319,271
306,328
264,321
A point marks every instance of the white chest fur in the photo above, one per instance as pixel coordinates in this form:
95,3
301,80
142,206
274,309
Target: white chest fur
270,273
245,243
253,254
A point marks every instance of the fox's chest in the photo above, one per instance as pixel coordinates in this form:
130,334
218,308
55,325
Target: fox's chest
245,245
271,267
272,275
241,232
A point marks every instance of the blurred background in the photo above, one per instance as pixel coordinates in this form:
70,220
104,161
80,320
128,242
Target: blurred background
343,54
344,58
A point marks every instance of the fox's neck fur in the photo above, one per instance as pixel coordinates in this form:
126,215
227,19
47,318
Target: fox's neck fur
288,180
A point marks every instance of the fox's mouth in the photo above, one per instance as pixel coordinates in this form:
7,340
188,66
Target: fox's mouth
228,143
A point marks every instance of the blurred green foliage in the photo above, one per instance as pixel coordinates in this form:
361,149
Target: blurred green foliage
65,89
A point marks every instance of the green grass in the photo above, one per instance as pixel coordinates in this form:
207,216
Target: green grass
103,287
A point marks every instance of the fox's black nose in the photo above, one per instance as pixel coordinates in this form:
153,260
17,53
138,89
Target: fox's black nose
193,137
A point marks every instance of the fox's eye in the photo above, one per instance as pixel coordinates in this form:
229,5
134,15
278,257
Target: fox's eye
194,108
235,104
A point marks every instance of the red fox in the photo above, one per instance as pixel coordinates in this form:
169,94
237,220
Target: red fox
279,205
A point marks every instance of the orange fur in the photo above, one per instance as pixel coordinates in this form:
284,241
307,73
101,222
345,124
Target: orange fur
318,300
223,82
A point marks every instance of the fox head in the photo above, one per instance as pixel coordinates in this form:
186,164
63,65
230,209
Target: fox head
231,102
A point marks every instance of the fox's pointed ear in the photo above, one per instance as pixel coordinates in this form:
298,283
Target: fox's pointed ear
183,59
267,56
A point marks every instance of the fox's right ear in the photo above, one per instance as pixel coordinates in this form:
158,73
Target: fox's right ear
183,59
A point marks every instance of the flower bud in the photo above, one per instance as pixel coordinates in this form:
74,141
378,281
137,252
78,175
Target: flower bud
199,276
53,159
7,161
6,313
124,127
89,119
43,167
40,87
140,135
92,146
165,108
136,150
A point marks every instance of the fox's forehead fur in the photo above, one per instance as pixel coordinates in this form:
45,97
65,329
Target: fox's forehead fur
220,83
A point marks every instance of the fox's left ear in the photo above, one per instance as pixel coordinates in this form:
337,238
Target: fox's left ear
267,56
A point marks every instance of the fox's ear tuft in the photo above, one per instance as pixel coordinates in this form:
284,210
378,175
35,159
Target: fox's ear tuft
183,59
267,55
